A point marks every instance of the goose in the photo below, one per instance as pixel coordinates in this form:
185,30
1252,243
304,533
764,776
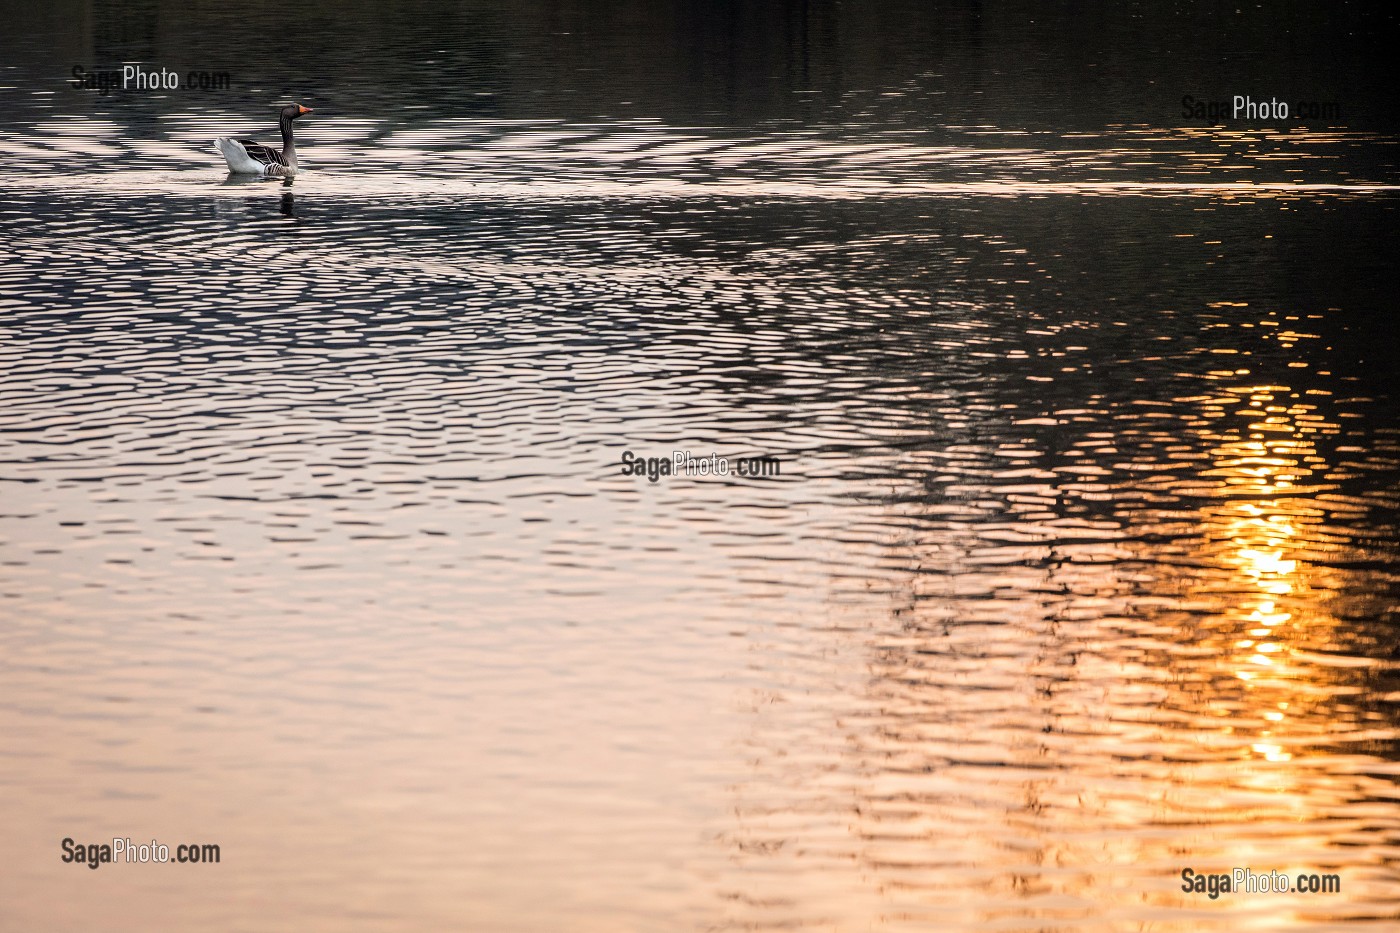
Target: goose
246,157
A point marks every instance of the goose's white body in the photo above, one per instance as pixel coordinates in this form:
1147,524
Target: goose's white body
241,163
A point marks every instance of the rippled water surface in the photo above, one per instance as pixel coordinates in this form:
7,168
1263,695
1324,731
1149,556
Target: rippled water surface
1081,567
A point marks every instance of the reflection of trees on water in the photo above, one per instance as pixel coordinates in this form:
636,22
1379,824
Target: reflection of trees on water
1121,626
1057,707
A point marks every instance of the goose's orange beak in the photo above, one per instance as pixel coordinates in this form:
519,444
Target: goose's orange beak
301,110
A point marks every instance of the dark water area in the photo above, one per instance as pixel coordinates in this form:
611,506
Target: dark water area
1080,568
1014,65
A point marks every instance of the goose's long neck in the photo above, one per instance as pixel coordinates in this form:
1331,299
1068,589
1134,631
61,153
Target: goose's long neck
289,145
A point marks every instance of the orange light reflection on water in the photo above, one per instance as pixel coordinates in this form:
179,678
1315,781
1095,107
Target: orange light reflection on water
1263,534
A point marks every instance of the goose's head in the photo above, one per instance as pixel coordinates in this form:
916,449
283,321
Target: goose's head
292,111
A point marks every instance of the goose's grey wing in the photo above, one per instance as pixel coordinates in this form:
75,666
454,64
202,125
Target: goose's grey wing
263,154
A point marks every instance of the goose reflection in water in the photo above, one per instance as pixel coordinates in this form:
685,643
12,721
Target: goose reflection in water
286,205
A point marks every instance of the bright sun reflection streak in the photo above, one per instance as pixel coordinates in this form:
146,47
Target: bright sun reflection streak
1266,473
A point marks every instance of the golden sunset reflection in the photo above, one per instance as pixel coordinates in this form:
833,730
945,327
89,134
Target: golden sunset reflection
1063,709
1263,530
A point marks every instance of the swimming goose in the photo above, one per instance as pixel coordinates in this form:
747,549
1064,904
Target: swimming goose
246,157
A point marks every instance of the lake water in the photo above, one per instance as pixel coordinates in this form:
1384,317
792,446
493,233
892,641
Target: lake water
1080,569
